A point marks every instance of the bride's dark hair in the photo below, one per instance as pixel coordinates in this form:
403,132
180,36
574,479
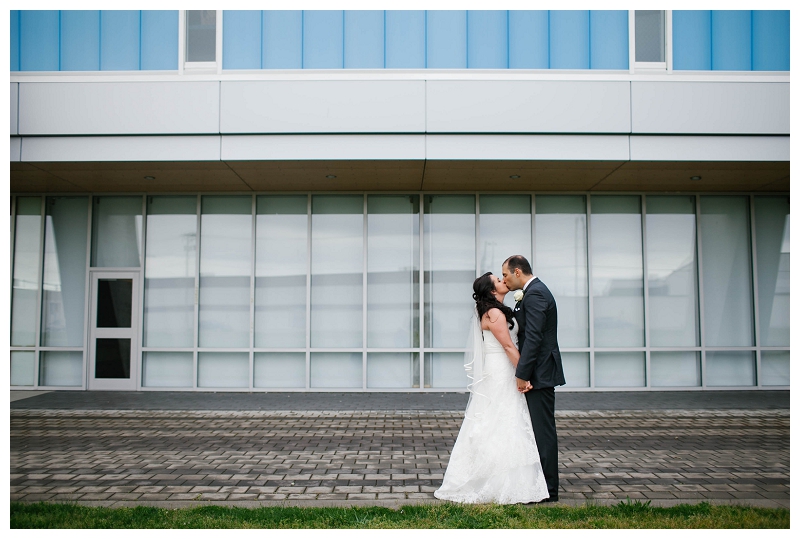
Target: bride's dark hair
482,294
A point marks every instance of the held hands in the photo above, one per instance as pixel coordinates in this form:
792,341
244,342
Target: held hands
523,386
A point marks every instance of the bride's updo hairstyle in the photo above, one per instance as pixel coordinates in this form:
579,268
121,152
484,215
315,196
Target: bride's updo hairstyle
484,300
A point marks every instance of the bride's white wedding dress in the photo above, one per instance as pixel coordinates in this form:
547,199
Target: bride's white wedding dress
495,459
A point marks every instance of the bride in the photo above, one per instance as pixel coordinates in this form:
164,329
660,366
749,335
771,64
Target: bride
494,459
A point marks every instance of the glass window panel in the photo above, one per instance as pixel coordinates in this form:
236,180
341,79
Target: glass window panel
61,369
774,368
281,268
672,271
576,368
112,358
22,368
167,369
169,278
772,256
201,32
445,370
114,303
650,35
449,268
617,273
619,369
561,263
225,265
730,368
223,369
392,371
342,370
337,271
505,230
674,369
725,232
393,271
64,278
27,249
279,370
116,232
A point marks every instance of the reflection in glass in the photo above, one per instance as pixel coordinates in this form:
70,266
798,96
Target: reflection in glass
61,369
449,270
772,250
112,358
672,271
116,232
225,251
223,369
505,230
22,368
617,274
275,370
674,369
281,267
167,369
392,271
445,370
114,303
336,369
727,289
337,271
27,248
561,263
730,368
774,368
576,368
388,370
619,369
64,279
169,278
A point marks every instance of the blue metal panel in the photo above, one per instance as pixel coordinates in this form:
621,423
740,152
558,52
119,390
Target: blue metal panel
731,40
241,39
446,39
38,40
282,36
691,39
569,39
771,40
159,39
323,43
14,49
119,40
487,39
528,39
608,31
405,39
363,39
80,40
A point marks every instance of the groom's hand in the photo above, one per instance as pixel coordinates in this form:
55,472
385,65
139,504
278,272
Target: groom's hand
523,386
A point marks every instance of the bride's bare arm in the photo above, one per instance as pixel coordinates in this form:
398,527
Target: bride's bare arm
495,321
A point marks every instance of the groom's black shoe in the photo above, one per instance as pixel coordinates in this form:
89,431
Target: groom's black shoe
550,499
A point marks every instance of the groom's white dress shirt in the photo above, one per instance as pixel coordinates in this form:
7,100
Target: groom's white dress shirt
527,283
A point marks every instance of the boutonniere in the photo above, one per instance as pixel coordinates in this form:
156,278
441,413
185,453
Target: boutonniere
518,295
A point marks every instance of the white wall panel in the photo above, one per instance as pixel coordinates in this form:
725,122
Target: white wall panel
165,148
524,147
119,108
322,106
16,145
14,94
528,107
710,107
329,147
709,148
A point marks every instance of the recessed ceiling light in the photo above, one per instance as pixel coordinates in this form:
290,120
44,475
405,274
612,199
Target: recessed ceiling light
695,178
330,176
514,177
149,177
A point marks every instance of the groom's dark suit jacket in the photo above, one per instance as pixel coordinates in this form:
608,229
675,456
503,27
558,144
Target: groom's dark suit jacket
540,359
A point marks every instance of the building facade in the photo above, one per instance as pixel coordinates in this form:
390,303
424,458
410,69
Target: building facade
300,200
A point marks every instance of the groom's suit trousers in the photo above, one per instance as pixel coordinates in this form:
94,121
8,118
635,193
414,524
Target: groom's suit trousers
542,405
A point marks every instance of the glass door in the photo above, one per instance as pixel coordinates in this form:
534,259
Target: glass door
113,331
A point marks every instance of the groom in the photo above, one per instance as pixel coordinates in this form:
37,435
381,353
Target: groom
539,369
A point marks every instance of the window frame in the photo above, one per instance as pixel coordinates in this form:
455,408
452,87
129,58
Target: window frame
185,66
666,65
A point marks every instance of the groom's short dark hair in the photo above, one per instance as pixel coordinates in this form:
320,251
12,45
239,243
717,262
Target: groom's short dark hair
519,262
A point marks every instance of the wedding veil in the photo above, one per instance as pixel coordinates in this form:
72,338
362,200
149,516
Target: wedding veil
473,364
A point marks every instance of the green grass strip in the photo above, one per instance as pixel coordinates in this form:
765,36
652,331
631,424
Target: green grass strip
623,515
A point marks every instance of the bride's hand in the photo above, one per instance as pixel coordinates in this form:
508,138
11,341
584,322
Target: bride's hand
523,386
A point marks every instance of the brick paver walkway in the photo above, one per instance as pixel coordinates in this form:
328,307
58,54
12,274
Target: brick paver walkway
177,457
